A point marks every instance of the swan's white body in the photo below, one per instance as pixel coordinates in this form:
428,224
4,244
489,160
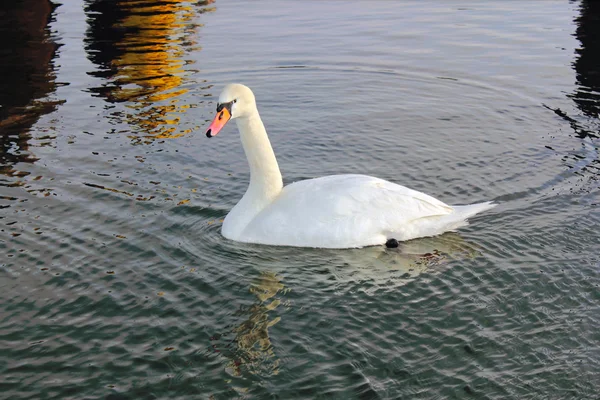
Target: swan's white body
337,211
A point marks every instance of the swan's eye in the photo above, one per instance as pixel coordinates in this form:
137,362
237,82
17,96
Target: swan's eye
234,101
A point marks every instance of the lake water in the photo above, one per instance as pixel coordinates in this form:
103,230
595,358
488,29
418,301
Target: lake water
116,283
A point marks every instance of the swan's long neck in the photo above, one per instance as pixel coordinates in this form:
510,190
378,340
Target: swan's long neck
265,177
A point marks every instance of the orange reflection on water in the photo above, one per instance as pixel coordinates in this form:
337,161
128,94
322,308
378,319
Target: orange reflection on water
149,69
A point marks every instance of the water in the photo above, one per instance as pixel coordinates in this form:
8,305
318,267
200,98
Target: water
116,283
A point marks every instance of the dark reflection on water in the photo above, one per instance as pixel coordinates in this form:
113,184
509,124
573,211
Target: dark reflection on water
585,124
587,62
587,92
27,50
140,49
587,66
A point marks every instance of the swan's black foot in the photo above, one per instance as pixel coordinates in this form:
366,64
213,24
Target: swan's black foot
391,243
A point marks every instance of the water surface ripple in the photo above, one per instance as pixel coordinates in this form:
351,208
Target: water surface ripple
116,283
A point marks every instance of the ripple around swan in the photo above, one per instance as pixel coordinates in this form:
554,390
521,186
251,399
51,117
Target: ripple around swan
117,283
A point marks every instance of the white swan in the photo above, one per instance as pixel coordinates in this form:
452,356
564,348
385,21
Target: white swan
337,211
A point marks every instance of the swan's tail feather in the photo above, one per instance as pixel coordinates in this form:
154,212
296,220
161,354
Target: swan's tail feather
472,209
435,225
461,214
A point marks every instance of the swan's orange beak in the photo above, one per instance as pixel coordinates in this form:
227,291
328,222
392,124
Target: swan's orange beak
223,115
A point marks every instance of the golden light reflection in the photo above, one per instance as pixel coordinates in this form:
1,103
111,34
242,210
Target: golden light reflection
149,64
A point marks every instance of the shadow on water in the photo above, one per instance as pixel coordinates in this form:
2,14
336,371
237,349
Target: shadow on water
139,48
28,49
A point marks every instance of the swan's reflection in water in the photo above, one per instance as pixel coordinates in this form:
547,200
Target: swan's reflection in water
397,267
251,350
254,347
248,347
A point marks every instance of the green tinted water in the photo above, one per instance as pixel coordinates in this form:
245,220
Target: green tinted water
116,283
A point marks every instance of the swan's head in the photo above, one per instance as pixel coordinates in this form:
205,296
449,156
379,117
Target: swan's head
235,101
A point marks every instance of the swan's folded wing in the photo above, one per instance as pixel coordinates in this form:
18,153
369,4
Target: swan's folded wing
341,211
335,197
360,195
410,203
